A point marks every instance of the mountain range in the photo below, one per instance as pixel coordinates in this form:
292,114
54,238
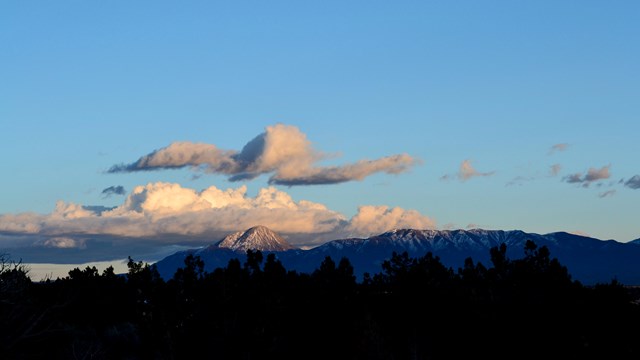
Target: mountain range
589,260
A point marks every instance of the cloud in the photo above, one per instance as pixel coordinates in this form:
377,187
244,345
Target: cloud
607,194
592,175
574,178
473,226
395,164
448,226
180,154
467,171
598,174
558,148
113,190
282,150
555,169
633,183
161,214
98,209
61,243
372,220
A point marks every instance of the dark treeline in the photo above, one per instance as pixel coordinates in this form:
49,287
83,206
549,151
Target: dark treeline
416,308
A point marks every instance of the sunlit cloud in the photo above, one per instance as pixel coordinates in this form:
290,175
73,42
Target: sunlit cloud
168,213
467,171
282,151
372,220
593,174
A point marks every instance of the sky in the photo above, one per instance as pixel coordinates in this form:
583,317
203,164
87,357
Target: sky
139,128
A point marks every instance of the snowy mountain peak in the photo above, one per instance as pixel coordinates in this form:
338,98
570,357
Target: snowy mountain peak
256,238
435,240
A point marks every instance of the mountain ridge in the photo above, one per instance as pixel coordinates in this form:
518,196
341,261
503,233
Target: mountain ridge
589,260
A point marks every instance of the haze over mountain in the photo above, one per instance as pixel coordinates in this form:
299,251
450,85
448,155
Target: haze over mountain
588,260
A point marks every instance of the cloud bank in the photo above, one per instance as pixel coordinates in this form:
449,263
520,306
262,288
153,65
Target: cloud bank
167,213
282,150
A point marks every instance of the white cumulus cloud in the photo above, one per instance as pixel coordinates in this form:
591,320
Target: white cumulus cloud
166,212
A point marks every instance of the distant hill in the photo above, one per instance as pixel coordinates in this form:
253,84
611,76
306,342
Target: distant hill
588,260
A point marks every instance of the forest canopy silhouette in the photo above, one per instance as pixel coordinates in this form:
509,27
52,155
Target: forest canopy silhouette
414,308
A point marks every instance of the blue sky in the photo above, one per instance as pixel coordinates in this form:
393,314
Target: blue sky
86,85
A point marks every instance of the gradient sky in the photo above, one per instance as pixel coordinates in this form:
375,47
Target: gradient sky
88,85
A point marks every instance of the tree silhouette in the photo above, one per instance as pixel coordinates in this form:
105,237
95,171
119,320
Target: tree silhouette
414,308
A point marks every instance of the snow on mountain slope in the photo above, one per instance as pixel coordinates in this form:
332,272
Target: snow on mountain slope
589,260
256,238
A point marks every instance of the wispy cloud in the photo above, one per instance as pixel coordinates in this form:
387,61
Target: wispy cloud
593,174
113,190
558,148
555,169
466,172
633,183
282,150
520,180
607,193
